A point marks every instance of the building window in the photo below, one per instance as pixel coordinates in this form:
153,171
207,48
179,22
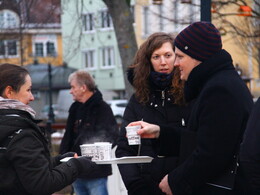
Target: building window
89,59
175,14
256,20
50,49
88,23
12,48
8,20
161,20
191,16
8,48
146,21
106,21
2,48
39,49
44,49
45,45
132,9
107,54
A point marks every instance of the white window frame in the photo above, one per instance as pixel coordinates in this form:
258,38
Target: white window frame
91,54
53,48
160,15
88,23
6,49
108,24
45,40
107,56
132,9
176,14
45,48
9,20
146,26
36,49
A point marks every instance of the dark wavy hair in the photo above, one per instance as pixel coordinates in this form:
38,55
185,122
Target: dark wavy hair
142,68
12,75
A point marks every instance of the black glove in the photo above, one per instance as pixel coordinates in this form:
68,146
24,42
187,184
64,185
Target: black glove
68,154
84,165
57,158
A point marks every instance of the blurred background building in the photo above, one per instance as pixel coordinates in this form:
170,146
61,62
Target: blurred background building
81,35
53,38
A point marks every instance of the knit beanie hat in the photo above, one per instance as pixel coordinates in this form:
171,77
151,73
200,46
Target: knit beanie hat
200,40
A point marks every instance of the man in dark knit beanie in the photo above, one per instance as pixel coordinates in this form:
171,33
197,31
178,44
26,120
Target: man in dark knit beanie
222,103
200,40
221,106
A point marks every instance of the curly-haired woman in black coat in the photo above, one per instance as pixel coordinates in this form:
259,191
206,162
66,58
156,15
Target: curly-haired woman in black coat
158,99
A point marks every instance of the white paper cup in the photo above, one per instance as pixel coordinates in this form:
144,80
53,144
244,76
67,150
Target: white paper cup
104,150
132,136
98,151
89,150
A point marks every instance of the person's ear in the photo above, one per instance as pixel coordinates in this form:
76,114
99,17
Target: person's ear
8,92
84,88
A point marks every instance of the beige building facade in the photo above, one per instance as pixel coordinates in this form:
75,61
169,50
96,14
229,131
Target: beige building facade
235,24
239,28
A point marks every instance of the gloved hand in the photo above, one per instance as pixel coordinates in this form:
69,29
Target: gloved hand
68,154
56,159
84,165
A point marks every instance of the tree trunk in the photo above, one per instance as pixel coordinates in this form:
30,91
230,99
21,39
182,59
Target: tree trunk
123,25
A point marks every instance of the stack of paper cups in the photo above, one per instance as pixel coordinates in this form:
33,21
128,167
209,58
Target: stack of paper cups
89,150
97,151
104,150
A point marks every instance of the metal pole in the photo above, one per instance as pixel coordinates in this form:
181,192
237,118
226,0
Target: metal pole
51,113
205,10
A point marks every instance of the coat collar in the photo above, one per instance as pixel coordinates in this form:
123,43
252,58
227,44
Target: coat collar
96,98
204,71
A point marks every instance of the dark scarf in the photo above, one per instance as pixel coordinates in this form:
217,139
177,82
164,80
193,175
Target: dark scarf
201,73
86,107
161,80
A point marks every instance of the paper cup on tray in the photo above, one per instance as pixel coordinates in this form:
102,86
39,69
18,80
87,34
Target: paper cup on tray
89,150
98,151
104,150
132,136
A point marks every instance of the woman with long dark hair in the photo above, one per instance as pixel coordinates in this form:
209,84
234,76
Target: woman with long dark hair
158,99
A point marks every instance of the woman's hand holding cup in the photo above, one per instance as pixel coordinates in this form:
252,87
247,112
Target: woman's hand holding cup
147,130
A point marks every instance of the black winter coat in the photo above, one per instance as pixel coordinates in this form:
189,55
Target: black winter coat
87,123
143,179
219,116
250,150
26,167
